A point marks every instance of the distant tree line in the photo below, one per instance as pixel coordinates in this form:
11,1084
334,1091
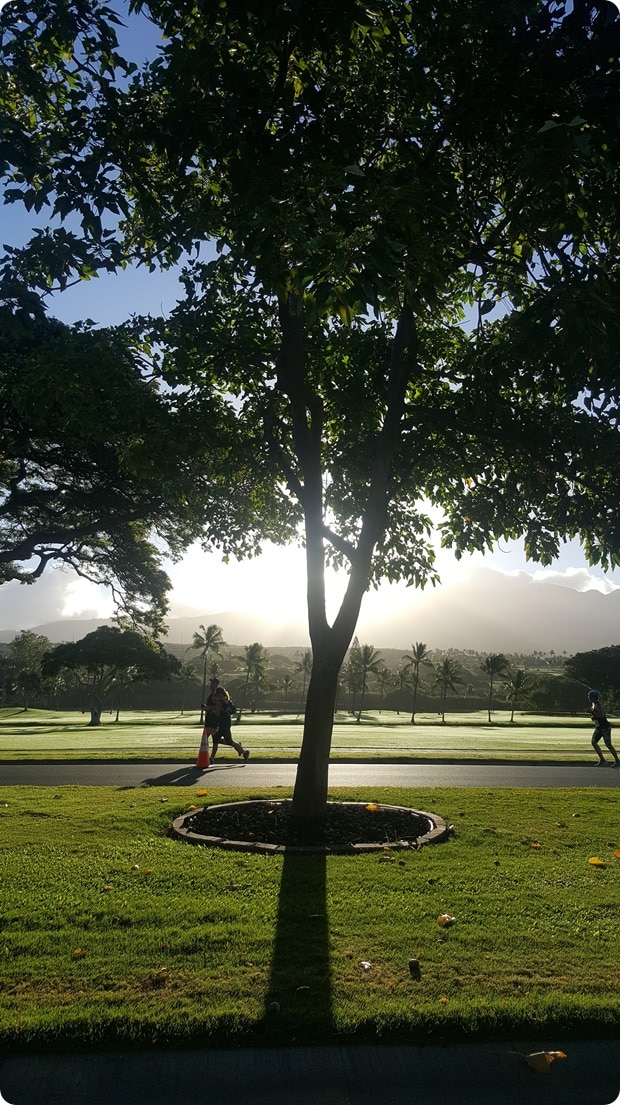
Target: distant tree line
116,668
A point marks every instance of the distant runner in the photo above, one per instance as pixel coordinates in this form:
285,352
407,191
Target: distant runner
225,709
602,730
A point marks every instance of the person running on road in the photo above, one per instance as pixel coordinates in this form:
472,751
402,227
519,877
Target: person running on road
602,729
225,710
211,710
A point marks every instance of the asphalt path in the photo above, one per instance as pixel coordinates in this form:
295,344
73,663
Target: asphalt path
462,1074
237,774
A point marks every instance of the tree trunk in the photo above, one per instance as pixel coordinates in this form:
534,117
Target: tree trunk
203,707
330,643
311,783
95,715
415,695
359,712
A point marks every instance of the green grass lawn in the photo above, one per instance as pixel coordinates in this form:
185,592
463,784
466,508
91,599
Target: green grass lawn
44,735
112,932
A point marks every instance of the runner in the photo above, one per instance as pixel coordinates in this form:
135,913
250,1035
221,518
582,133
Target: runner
602,730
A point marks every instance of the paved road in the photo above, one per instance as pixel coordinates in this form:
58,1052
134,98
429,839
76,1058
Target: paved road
235,774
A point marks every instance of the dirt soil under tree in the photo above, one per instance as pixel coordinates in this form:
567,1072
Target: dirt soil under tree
346,824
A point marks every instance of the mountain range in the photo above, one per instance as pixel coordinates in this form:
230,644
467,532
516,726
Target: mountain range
492,612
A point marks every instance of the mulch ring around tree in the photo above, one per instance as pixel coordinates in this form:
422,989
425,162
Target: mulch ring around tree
267,826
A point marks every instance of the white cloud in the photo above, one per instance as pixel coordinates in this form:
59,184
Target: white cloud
578,579
87,600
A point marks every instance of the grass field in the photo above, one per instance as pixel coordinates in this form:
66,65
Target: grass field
112,932
44,735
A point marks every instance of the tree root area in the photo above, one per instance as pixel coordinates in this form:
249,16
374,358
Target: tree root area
346,824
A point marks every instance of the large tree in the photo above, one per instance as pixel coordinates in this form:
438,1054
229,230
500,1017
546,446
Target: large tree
599,669
93,460
416,298
108,659
25,657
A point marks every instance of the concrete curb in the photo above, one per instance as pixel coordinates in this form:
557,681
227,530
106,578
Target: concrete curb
438,830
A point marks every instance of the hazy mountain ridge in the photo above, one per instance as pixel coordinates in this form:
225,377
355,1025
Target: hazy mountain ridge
515,615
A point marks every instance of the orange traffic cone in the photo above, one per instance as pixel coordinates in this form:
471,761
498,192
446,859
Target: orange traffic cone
203,752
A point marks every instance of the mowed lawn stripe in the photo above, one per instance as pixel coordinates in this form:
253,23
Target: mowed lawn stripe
42,735
110,931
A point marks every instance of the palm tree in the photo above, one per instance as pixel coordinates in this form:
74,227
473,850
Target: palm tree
419,655
352,672
255,660
517,686
370,662
495,664
303,666
446,679
187,676
401,675
258,688
209,643
286,683
385,679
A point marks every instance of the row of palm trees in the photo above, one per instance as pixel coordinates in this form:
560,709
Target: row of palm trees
208,641
362,662
447,677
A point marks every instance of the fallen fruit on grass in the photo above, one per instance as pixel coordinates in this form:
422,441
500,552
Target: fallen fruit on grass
594,861
617,853
79,953
542,1060
446,919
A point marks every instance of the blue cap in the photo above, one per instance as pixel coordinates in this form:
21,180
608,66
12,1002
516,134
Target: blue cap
594,694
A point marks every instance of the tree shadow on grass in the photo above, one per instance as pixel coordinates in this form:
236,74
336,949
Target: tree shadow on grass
298,1004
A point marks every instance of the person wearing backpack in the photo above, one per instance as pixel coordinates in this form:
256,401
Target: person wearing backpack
225,709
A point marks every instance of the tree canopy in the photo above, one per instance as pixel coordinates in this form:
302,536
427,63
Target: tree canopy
415,299
109,658
598,669
85,472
